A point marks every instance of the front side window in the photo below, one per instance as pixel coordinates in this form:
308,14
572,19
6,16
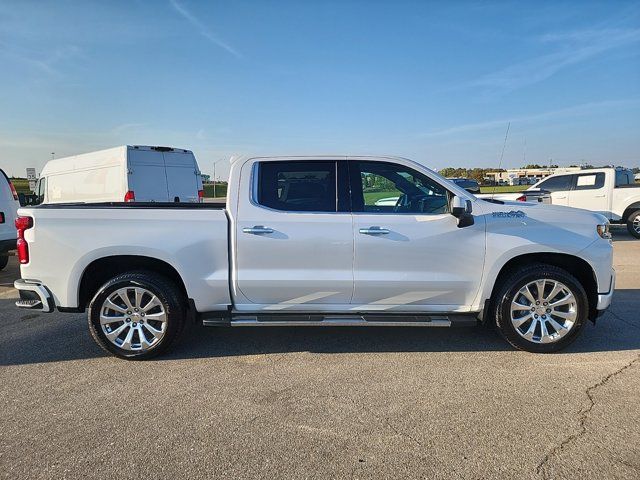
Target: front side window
390,188
590,181
303,186
557,184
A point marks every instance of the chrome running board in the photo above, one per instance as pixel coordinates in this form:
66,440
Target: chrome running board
364,320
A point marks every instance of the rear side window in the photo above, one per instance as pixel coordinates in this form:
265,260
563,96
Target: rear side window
307,186
590,181
557,184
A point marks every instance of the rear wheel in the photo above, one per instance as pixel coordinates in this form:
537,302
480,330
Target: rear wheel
540,308
633,224
4,260
136,315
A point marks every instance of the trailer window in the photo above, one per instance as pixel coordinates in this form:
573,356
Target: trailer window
304,186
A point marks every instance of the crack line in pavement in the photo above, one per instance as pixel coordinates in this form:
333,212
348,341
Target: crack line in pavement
582,419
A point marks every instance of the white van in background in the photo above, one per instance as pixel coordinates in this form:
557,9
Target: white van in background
8,212
122,174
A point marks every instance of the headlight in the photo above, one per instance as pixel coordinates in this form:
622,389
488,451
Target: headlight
603,231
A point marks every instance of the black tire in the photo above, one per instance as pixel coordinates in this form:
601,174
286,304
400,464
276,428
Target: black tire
172,301
633,223
4,260
509,288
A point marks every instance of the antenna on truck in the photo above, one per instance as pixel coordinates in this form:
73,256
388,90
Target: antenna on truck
504,145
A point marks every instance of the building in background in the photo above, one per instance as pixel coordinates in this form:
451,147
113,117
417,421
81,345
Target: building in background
524,176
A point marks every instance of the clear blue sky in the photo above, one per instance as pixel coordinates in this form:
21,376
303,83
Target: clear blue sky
434,81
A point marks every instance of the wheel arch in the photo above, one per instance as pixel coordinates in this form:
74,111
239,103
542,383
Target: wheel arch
629,210
99,271
574,265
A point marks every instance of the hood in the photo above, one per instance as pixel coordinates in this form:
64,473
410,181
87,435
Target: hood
551,225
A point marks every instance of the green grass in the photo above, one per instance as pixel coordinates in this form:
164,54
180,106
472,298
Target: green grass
21,185
372,197
221,190
504,189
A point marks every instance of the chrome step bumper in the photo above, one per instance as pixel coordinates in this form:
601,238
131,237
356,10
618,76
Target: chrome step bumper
34,296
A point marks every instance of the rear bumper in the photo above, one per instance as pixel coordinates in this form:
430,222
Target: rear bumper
34,296
604,299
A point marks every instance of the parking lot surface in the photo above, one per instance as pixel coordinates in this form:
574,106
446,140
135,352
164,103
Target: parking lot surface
323,402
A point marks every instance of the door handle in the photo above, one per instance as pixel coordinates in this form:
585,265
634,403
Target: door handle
601,196
561,198
374,231
257,230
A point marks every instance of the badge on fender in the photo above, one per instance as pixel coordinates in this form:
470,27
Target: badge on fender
511,214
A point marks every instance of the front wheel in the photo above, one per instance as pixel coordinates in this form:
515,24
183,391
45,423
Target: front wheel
540,308
633,224
4,260
136,315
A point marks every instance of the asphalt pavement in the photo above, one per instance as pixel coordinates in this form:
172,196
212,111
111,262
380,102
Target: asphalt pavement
322,402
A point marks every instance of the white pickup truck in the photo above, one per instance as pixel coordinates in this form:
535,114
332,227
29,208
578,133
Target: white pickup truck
301,241
612,192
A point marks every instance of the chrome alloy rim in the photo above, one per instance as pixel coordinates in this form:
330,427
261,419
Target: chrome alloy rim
544,311
636,224
133,318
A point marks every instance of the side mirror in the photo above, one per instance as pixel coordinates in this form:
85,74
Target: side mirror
461,208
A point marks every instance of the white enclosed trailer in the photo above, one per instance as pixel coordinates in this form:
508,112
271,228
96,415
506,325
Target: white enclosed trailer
126,173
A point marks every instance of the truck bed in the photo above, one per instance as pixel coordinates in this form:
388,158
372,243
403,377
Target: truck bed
190,238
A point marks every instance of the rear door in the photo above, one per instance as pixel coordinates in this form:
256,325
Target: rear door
293,238
410,255
183,177
589,192
146,175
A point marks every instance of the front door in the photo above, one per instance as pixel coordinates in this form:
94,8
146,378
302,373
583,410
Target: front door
410,254
294,238
559,186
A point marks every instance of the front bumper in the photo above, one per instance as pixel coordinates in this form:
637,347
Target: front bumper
604,299
34,296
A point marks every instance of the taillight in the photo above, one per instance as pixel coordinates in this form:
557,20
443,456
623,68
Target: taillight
22,224
130,196
13,191
2,217
201,195
521,198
